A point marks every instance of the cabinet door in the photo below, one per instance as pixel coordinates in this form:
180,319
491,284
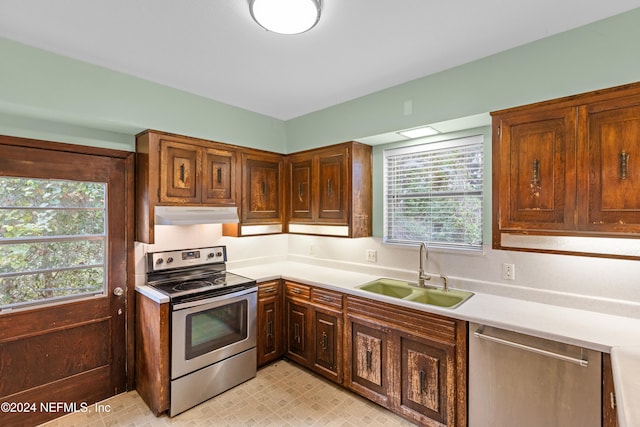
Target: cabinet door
261,201
270,329
426,374
297,327
300,204
327,354
611,149
179,174
369,362
333,186
536,163
219,176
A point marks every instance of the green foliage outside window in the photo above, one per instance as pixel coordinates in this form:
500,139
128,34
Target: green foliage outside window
52,240
433,194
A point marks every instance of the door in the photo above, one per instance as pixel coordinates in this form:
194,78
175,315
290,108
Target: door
300,173
261,199
207,331
327,330
610,146
370,364
297,316
219,176
62,345
537,162
424,373
269,322
332,186
179,174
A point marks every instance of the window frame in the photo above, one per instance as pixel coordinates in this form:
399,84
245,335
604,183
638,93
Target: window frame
427,147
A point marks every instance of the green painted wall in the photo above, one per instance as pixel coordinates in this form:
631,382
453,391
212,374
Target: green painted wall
595,56
47,94
49,90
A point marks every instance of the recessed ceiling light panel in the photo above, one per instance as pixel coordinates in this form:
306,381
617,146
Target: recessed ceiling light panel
419,132
286,16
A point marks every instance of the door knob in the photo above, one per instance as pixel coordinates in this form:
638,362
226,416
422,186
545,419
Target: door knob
118,291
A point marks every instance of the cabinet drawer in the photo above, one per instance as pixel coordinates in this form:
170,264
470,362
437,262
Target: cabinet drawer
297,290
266,289
326,297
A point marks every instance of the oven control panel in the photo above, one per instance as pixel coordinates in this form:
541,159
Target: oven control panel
158,261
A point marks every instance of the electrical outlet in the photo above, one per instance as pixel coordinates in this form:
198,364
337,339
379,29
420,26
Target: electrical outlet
372,255
508,271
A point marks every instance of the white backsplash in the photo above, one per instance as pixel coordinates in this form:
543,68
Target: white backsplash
258,249
598,284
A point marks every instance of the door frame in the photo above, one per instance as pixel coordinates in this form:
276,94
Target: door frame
129,219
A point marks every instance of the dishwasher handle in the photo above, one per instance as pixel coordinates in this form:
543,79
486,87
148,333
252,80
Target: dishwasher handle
479,333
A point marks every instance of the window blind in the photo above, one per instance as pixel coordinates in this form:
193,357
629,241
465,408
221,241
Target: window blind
433,193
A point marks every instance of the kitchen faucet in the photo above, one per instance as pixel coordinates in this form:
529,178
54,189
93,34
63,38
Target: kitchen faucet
424,256
422,276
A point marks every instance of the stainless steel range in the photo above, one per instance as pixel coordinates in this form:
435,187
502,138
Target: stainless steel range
213,323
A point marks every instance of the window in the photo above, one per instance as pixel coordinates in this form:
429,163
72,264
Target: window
52,240
433,193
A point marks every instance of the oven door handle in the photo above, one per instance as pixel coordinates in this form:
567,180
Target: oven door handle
204,301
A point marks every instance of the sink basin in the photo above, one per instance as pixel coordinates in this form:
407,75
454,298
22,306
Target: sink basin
388,287
449,299
411,292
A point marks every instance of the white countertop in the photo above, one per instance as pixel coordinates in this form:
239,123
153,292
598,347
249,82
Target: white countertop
596,331
607,333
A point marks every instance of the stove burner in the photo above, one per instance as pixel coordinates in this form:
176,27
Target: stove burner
194,284
197,284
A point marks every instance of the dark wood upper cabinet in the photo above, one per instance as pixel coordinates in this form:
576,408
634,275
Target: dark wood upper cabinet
219,175
179,172
176,170
262,206
333,185
300,171
609,189
329,191
536,162
568,167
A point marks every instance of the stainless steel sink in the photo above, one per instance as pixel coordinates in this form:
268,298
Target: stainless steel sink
410,291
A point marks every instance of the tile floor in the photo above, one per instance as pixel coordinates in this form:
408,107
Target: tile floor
282,394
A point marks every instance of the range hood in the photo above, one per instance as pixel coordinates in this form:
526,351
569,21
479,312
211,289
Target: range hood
190,215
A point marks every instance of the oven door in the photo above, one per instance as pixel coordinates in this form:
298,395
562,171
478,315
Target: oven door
207,331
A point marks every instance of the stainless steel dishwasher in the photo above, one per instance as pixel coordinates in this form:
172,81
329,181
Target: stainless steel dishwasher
524,381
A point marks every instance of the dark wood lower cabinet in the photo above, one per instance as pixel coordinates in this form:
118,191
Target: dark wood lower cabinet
152,353
367,372
270,317
327,343
297,330
411,362
425,378
314,329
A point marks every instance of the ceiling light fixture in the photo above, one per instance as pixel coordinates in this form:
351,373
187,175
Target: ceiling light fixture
419,132
286,16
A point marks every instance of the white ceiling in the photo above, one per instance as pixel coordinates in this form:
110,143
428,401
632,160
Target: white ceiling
212,47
